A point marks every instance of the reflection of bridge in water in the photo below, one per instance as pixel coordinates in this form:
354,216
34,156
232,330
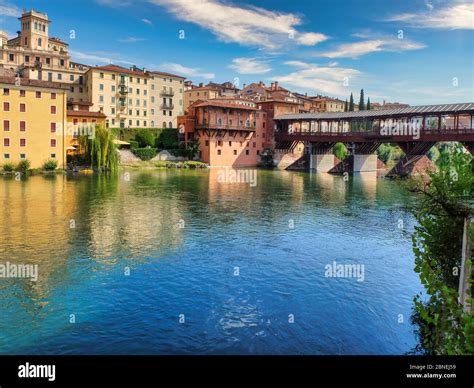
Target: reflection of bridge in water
414,129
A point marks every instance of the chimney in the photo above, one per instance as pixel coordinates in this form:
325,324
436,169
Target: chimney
272,86
260,83
276,85
201,84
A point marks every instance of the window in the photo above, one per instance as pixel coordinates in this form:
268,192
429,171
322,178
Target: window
53,127
101,99
113,88
22,93
138,123
113,76
48,61
22,108
50,77
235,152
6,125
22,142
101,87
53,156
11,57
53,110
230,144
53,142
219,152
40,42
22,156
206,143
247,152
6,156
6,142
71,77
22,126
60,76
101,75
38,94
6,92
53,96
164,124
170,124
6,106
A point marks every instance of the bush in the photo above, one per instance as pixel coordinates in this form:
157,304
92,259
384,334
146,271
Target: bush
133,144
145,153
167,139
23,166
145,138
8,167
340,151
50,165
194,164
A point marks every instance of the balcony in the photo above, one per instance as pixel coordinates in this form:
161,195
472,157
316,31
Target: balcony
166,93
167,106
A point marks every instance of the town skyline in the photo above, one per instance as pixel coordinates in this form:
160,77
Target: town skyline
320,54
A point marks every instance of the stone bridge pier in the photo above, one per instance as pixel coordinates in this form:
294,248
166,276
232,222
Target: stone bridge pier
415,159
321,157
365,157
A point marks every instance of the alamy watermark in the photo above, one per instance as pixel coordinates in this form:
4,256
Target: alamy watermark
19,271
335,270
241,175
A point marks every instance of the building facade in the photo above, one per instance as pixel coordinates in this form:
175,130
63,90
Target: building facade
229,135
36,55
33,121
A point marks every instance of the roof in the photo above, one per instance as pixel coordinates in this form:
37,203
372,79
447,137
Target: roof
221,104
166,74
467,107
199,88
85,113
58,40
279,101
82,103
33,83
120,69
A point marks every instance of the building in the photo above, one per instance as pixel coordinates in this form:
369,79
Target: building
328,104
33,119
260,92
228,134
387,105
193,94
36,55
136,98
166,99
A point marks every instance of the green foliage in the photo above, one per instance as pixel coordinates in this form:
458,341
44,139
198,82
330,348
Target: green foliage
145,153
145,138
340,151
133,144
101,149
8,167
23,166
351,103
167,139
361,100
346,106
368,107
50,165
384,152
192,149
434,154
440,211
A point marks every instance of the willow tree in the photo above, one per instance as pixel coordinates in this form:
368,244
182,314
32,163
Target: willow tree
101,149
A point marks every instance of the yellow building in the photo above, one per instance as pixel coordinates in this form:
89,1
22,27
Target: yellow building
32,121
328,104
38,56
199,93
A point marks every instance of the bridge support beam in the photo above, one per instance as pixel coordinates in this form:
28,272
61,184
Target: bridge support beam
365,158
415,161
321,157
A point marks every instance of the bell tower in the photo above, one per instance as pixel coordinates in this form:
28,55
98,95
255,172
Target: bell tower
34,30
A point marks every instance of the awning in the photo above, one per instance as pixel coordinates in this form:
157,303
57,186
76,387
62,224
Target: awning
120,142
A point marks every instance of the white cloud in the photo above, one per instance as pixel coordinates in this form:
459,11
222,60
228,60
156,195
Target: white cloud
130,39
9,9
456,17
249,26
187,71
357,49
98,58
320,79
147,21
249,66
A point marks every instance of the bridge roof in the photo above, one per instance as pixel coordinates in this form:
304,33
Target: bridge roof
467,107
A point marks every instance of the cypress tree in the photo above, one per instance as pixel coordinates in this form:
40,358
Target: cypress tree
351,103
361,100
346,106
368,103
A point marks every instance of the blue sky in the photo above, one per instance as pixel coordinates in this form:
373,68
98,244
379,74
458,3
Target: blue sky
419,51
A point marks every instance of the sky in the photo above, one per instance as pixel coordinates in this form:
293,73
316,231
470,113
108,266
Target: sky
411,51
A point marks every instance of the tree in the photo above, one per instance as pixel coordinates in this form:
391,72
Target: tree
346,106
101,149
440,211
361,100
145,138
351,103
340,151
368,104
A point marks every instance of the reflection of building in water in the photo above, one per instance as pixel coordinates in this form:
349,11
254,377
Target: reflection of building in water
35,226
138,219
332,189
368,182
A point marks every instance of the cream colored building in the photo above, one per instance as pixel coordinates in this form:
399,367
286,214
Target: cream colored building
166,99
38,56
135,98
